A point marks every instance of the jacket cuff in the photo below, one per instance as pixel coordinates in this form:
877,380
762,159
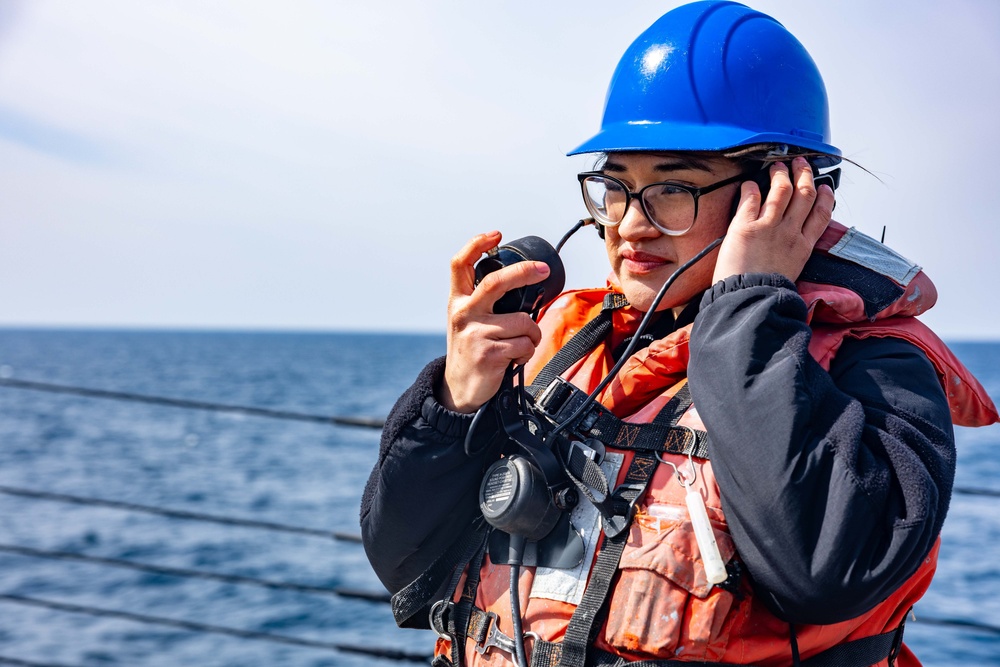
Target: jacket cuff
743,281
446,422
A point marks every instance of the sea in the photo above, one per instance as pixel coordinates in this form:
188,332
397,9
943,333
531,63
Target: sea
245,525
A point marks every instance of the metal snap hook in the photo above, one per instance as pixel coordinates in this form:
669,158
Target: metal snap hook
694,472
677,471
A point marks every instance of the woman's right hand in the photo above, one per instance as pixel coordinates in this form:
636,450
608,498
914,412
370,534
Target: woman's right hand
776,235
481,344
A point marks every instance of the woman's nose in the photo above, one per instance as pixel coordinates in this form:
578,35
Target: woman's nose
635,224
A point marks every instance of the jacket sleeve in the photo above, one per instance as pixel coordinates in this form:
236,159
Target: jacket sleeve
423,491
835,485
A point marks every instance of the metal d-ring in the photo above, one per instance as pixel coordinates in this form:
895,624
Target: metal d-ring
430,616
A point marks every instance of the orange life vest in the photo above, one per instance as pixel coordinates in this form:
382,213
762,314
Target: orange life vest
662,606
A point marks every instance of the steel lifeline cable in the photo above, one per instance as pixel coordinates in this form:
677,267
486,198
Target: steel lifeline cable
363,422
178,514
391,654
372,596
237,579
4,660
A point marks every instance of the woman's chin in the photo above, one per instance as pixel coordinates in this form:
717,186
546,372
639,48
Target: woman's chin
642,296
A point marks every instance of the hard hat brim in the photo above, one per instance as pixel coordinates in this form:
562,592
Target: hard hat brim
654,136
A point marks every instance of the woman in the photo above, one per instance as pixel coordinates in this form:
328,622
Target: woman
782,384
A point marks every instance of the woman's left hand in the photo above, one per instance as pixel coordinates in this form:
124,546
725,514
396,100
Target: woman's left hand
777,236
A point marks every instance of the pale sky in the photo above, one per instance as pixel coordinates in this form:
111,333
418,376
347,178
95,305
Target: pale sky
314,165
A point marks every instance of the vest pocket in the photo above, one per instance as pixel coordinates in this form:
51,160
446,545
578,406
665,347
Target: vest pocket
663,605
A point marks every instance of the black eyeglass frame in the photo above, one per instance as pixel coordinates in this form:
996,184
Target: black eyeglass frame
695,193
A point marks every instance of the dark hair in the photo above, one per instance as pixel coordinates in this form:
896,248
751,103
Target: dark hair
756,156
749,157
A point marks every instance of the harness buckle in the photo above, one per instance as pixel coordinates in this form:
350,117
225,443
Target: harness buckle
554,397
561,398
591,448
495,637
629,491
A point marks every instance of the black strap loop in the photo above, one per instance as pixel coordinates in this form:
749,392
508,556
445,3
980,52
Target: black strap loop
410,605
560,399
586,474
461,613
587,618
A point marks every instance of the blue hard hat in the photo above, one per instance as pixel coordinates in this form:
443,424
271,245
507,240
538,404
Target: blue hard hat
711,76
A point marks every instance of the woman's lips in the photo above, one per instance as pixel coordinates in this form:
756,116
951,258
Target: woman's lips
641,262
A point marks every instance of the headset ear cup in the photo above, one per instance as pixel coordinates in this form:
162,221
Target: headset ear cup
600,229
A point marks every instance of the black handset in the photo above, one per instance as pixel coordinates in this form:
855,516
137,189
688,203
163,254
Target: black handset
531,297
763,178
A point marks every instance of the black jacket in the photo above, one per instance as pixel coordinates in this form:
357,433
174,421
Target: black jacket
834,485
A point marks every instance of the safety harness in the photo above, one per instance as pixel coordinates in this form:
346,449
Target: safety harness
461,621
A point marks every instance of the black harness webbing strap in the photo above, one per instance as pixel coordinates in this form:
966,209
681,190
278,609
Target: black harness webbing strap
614,432
561,399
586,620
408,603
588,616
672,412
601,424
862,652
441,661
582,342
572,650
461,613
664,436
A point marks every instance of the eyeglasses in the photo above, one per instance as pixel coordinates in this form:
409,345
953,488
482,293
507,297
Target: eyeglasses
671,207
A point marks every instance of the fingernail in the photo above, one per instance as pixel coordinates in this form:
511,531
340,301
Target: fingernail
542,268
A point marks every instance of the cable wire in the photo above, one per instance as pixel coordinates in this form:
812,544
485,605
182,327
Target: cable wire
178,514
977,492
363,422
194,574
391,654
630,348
957,623
4,660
